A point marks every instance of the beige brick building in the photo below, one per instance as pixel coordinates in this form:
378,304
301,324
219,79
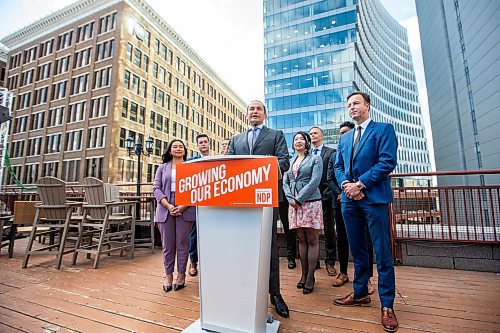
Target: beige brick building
97,71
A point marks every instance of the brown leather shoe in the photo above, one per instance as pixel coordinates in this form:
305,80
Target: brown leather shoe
349,300
389,320
370,287
340,280
193,269
330,269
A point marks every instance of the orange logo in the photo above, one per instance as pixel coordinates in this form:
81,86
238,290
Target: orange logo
238,181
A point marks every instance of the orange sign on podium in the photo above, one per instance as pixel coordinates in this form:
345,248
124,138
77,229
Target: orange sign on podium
237,181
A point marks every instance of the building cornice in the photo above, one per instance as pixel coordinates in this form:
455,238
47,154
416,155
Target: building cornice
156,20
84,8
55,21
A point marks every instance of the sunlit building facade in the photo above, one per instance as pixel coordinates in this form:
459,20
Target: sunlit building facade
96,72
317,52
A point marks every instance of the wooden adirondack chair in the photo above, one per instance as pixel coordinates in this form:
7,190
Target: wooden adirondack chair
5,231
54,212
113,222
112,194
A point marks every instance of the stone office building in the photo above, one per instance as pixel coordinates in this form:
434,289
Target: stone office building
96,72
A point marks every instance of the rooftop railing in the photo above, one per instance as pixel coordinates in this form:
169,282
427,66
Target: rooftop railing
460,214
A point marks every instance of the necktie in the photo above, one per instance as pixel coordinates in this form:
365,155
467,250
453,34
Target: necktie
356,142
254,137
316,150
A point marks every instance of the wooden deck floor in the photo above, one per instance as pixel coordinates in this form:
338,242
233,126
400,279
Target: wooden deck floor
126,296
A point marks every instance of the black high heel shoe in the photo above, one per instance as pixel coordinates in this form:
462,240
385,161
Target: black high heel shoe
300,285
306,290
168,287
178,287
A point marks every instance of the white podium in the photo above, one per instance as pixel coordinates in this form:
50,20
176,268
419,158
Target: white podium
234,250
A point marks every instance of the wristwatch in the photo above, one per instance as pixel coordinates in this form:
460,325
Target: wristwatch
358,184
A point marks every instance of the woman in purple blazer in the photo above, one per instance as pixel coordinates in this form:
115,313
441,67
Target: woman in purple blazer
174,221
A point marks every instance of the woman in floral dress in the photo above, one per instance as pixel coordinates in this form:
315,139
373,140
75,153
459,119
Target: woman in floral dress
301,186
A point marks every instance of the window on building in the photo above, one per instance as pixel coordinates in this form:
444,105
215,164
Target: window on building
82,58
30,173
99,107
65,40
94,167
34,146
73,141
85,32
137,57
37,120
107,23
53,143
55,116
79,84
27,77
50,169
125,108
40,95
17,148
102,78
105,50
20,124
30,55
71,170
43,72
76,112
62,65
96,137
46,48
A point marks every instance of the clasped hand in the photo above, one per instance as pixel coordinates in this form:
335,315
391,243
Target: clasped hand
176,210
173,210
352,191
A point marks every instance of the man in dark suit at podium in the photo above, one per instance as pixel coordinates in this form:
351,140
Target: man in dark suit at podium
261,140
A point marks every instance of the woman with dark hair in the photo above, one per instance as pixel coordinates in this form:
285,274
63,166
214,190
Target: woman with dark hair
305,213
174,221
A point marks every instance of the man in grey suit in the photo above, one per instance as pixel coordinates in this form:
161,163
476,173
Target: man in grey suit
318,148
261,140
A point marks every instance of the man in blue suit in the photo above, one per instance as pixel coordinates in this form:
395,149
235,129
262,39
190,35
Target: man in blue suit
365,158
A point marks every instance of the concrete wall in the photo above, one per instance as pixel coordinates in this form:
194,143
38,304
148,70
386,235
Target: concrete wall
484,258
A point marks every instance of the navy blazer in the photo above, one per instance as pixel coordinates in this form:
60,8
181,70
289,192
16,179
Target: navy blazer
326,192
374,159
332,180
305,186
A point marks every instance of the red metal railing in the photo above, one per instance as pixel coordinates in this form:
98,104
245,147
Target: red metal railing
464,214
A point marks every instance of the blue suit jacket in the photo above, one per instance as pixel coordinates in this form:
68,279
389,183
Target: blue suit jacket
374,159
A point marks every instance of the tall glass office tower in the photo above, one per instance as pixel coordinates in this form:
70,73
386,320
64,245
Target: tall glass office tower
460,47
317,52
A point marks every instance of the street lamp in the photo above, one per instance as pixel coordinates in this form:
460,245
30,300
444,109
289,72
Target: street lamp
137,149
